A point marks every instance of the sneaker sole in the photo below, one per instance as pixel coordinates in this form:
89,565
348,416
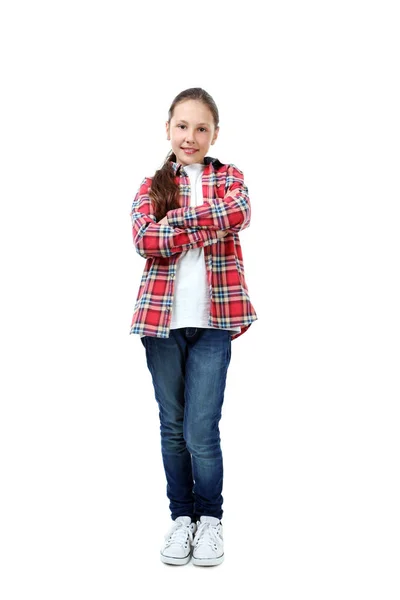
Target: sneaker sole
207,562
171,560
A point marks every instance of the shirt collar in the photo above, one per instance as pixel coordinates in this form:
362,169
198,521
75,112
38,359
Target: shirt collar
208,160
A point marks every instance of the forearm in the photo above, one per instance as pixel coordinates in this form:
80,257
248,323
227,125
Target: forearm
153,239
217,216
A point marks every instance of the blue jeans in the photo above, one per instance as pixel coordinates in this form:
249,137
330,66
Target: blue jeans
189,372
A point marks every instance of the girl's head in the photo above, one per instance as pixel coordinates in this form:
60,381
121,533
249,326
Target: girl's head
193,124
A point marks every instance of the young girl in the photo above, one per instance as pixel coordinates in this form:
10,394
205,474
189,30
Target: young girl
192,301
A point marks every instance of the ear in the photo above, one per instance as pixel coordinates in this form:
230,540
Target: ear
167,130
215,136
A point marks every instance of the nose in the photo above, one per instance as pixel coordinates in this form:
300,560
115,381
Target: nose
189,137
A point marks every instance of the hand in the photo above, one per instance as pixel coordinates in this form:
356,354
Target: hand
221,234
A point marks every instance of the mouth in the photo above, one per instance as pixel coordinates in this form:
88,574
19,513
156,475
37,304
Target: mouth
189,150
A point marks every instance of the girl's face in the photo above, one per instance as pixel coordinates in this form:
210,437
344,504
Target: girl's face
191,128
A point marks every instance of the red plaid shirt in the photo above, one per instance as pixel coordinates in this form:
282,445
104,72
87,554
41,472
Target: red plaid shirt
226,207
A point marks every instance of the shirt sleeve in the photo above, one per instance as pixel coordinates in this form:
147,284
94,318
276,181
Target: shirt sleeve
232,212
152,239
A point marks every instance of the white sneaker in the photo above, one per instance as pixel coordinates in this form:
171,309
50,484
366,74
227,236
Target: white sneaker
208,543
178,541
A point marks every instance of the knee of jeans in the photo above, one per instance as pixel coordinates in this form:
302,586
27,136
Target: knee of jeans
172,438
202,444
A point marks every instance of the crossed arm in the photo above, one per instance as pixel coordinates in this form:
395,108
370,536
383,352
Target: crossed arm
233,212
161,239
189,227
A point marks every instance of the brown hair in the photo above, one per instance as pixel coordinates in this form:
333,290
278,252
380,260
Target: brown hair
164,192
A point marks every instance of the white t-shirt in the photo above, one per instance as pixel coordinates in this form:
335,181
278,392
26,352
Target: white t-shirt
191,302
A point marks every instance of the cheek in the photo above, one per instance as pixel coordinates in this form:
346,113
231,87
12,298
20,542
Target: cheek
177,134
176,139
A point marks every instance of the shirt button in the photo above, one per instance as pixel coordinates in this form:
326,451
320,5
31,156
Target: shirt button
172,276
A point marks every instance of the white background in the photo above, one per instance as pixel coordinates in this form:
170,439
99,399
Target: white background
308,94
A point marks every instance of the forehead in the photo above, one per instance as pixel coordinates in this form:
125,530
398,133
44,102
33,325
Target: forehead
193,111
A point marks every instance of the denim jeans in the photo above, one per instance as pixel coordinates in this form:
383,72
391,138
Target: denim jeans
189,372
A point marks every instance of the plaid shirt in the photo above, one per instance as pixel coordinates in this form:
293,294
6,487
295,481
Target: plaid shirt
226,207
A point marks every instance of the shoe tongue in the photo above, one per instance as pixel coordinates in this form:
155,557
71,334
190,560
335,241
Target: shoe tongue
184,520
211,520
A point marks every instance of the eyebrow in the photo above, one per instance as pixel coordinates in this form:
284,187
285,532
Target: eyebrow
183,121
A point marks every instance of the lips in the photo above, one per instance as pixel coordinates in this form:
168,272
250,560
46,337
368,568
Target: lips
189,150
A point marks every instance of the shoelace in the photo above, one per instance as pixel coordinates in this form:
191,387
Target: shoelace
207,534
178,534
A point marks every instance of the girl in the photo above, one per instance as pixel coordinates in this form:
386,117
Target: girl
192,301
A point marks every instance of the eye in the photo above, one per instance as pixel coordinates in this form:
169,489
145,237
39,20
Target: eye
201,128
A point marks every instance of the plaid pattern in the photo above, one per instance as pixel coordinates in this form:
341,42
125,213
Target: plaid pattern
226,206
